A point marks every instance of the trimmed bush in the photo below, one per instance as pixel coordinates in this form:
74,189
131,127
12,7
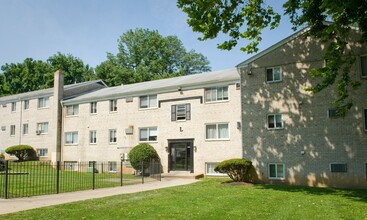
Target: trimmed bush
142,153
2,156
2,164
237,169
22,152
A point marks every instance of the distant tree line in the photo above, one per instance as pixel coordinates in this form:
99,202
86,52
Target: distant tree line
143,55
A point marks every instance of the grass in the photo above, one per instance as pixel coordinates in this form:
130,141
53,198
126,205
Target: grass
210,199
39,178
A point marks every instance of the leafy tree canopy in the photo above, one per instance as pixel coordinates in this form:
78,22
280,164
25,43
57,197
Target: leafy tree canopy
246,19
36,74
146,55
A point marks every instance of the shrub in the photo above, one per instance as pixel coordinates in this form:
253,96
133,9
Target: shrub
142,153
22,152
2,156
2,164
236,169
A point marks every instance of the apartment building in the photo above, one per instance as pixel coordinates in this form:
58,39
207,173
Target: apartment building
34,118
192,121
294,137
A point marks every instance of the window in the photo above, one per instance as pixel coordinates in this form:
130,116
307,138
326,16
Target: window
216,94
274,74
3,128
180,112
113,105
42,128
92,137
72,110
26,104
338,167
12,130
13,106
275,122
276,171
93,107
43,102
42,152
113,137
365,119
210,169
71,137
148,101
333,113
25,129
70,166
217,131
112,166
364,66
148,134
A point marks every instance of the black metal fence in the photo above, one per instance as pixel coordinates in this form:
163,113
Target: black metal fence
31,178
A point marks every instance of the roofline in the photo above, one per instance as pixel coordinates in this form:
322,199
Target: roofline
149,92
273,47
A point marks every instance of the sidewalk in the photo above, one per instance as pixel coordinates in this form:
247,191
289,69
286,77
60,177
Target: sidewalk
20,204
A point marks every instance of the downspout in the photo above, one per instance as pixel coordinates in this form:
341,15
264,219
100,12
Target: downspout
241,106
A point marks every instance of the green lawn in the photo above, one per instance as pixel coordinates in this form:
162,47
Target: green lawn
210,199
39,178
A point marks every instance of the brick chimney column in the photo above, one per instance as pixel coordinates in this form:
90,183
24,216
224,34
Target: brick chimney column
58,96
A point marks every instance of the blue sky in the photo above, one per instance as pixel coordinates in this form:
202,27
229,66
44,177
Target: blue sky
88,29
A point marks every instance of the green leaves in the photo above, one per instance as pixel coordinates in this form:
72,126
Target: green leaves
146,55
245,21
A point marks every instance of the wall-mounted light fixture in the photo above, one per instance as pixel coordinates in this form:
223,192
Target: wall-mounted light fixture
166,149
195,148
238,125
302,152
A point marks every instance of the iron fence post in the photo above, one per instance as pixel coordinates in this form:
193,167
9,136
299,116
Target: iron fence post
6,178
121,172
93,174
57,177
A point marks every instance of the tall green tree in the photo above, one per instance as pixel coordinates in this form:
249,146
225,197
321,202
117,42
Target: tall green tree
33,75
244,20
146,55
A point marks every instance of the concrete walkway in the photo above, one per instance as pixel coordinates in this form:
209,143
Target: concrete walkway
20,204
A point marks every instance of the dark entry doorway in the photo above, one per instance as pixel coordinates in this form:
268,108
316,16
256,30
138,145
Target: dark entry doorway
180,157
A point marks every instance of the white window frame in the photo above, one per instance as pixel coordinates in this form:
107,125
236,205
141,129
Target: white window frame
363,57
277,172
214,91
71,138
72,110
181,112
42,152
13,107
25,104
217,131
12,130
43,102
92,137
275,117
112,166
112,136
150,103
150,137
113,105
25,129
93,108
209,166
42,128
71,166
273,74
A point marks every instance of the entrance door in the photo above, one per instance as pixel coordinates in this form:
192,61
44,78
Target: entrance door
181,156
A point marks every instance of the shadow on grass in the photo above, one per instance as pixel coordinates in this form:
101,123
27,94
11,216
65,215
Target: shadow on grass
354,194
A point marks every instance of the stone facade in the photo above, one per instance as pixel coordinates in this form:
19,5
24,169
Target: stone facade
308,146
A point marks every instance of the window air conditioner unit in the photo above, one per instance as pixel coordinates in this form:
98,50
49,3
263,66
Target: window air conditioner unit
129,130
38,132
